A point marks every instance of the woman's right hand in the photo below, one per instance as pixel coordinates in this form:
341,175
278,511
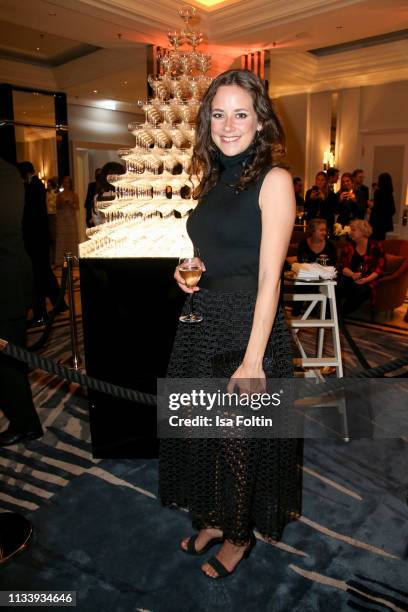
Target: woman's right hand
356,276
182,283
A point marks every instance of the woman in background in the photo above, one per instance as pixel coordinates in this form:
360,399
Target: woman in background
320,201
316,244
52,194
67,230
350,205
383,208
360,265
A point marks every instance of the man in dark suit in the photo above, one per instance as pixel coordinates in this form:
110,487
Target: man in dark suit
16,401
89,200
361,190
37,241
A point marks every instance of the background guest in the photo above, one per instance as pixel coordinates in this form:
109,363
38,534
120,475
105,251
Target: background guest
89,200
383,208
67,231
51,199
320,201
316,244
349,205
309,249
332,178
104,190
16,294
362,192
360,265
298,188
36,237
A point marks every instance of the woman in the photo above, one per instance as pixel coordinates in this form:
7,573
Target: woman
316,244
52,194
383,208
320,201
67,231
309,250
361,264
350,205
230,486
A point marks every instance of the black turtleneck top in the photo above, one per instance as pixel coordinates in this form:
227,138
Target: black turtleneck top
226,224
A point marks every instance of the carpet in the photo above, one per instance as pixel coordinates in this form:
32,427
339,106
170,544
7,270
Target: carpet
99,529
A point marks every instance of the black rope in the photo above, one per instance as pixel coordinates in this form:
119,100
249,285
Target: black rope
60,300
42,363
35,361
343,328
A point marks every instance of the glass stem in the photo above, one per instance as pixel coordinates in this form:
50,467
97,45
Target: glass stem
190,314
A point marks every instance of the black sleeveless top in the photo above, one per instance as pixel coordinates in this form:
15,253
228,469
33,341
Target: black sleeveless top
226,224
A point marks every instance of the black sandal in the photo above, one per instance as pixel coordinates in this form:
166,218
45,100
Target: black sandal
221,569
191,549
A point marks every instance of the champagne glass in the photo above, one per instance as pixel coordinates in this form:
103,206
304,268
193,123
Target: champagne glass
322,259
190,269
361,269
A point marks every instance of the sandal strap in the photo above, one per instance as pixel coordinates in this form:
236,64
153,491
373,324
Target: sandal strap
219,567
191,544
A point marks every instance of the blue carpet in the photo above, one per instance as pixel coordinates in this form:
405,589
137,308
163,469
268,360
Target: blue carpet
100,530
118,548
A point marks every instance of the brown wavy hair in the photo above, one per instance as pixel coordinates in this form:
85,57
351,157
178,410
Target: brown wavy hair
268,144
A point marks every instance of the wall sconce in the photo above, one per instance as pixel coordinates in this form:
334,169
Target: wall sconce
328,159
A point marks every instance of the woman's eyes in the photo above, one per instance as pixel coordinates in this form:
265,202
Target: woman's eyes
221,115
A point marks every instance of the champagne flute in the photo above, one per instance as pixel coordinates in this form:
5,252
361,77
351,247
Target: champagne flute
190,269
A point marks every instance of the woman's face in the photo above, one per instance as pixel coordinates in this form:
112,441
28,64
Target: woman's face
321,181
233,119
320,232
66,183
347,183
355,233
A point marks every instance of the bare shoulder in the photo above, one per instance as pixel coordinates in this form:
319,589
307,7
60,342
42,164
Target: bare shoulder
277,188
278,176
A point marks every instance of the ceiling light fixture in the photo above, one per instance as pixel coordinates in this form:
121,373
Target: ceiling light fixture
107,104
95,91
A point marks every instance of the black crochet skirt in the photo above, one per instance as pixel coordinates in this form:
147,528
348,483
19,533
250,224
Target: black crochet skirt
232,484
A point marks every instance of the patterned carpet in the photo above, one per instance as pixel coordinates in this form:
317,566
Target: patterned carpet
99,529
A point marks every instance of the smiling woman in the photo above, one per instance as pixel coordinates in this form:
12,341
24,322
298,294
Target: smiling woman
241,227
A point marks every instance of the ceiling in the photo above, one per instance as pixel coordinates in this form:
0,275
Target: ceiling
95,50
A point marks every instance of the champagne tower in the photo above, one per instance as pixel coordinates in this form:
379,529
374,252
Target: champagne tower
147,216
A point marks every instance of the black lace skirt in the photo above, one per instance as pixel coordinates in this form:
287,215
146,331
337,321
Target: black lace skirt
232,484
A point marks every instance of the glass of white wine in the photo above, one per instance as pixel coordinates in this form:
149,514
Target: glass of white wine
190,269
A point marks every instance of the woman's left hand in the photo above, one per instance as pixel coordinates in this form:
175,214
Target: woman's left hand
248,380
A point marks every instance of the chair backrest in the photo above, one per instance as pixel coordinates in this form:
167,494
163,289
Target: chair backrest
396,247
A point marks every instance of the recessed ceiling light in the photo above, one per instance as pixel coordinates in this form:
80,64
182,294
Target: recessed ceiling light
339,27
38,48
125,82
95,91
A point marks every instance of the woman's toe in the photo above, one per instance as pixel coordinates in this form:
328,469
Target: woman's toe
184,543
